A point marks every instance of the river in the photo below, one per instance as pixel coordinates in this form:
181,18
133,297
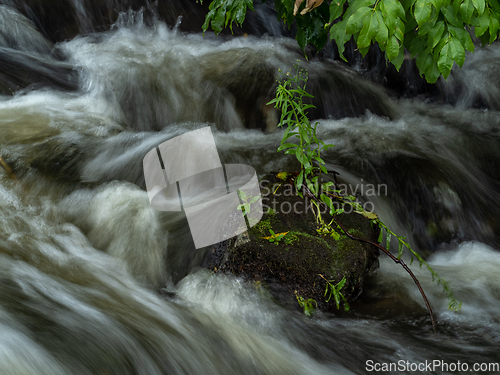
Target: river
93,280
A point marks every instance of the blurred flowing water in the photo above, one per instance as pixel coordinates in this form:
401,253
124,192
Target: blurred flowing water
95,281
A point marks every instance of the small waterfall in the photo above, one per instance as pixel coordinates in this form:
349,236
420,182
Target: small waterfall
93,280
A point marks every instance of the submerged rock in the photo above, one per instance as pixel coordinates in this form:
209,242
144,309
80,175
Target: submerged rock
21,70
248,77
302,259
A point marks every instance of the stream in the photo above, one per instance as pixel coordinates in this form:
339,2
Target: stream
93,280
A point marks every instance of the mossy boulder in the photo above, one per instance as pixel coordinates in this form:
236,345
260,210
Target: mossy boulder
298,263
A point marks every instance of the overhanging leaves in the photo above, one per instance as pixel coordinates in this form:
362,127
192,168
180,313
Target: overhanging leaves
436,32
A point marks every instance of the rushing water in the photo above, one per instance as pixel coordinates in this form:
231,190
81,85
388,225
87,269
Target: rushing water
95,281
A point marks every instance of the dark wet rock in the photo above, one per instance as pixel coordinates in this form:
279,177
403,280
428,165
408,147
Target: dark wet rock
58,158
477,84
18,32
406,83
22,70
340,92
249,78
61,20
295,263
27,59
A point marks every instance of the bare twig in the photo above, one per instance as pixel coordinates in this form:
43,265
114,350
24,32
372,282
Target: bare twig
308,193
7,168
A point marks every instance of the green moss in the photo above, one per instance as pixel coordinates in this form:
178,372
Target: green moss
309,238
345,245
291,238
262,227
271,211
356,233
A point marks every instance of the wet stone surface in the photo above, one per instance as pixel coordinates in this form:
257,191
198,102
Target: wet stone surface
294,264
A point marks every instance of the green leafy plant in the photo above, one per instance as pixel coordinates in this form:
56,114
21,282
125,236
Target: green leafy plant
436,32
327,229
275,238
289,99
306,304
307,150
333,290
225,12
453,303
246,205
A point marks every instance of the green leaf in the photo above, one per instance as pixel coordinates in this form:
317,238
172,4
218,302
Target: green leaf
437,3
394,8
495,5
382,33
369,30
298,180
390,21
469,45
399,30
466,10
457,33
432,72
239,14
479,5
407,4
427,26
339,34
255,199
423,11
485,38
341,284
435,52
482,24
388,241
336,9
398,61
355,22
392,48
354,5
445,62
457,51
418,45
218,20
435,34
422,60
207,20
286,145
400,250
451,17
494,24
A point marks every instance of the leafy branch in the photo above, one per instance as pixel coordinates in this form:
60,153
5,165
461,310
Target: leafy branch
333,290
306,304
453,303
307,150
436,32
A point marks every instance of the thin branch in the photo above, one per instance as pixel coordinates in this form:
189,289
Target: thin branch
309,194
7,168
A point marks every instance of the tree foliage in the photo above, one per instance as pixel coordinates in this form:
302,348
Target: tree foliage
436,32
